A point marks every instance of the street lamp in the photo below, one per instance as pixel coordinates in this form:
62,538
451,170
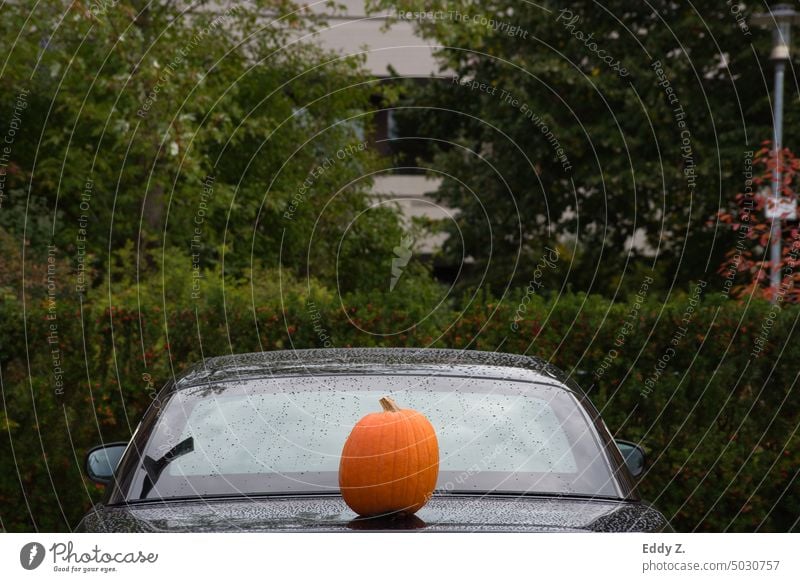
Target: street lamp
780,20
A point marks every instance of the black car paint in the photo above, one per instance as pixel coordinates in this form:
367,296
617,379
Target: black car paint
451,513
445,512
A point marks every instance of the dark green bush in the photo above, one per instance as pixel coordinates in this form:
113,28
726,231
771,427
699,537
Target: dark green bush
719,424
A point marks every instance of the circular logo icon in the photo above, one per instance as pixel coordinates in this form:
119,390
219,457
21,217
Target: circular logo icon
31,555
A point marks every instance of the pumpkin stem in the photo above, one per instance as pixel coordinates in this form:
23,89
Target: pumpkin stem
389,405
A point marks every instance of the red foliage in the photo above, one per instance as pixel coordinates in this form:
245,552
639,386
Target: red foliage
747,264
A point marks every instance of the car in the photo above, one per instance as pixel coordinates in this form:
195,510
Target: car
252,442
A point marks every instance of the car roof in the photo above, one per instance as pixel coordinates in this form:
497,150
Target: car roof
344,361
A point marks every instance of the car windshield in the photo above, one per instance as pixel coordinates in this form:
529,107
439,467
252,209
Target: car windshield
286,434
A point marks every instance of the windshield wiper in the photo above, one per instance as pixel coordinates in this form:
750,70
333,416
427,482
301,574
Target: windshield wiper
154,467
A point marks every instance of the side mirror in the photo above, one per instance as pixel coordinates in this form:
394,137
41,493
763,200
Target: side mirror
634,456
101,462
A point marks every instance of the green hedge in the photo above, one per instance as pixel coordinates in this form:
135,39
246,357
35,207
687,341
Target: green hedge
719,423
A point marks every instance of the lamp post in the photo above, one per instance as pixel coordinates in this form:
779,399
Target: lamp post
780,19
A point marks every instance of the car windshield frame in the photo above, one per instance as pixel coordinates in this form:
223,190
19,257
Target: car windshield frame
143,465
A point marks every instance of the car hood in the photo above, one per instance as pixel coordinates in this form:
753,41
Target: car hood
450,513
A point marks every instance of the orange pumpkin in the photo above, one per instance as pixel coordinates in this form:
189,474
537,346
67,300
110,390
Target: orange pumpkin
390,462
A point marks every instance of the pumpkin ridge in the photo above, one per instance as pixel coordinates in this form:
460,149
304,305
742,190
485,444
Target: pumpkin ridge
417,482
370,465
384,468
401,459
406,484
390,464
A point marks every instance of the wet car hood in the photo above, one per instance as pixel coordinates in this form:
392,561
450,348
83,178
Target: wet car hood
451,513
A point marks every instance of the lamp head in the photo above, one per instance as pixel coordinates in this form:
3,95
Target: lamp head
780,19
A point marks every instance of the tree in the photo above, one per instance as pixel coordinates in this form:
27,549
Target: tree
196,128
593,125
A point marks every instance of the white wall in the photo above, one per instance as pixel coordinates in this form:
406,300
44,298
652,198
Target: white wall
350,32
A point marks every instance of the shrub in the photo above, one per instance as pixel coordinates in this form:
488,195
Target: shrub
717,417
